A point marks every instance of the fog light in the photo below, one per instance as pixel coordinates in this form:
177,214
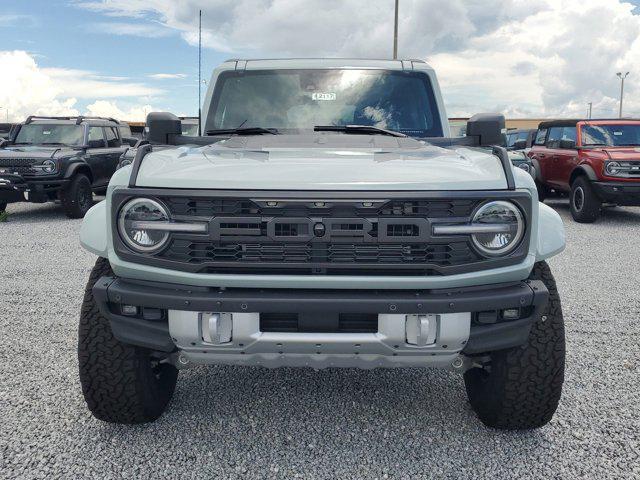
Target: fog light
511,313
129,310
217,327
421,329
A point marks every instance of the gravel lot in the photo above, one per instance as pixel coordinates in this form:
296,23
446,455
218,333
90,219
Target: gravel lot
233,422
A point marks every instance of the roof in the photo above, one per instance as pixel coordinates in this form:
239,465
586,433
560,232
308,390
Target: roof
573,122
329,63
78,120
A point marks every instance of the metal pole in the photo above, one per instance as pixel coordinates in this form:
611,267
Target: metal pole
590,109
200,75
621,77
395,33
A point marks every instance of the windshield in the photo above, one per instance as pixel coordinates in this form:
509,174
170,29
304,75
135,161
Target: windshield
49,134
302,99
611,135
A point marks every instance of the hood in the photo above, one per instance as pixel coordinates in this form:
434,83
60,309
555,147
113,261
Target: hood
621,153
322,162
29,151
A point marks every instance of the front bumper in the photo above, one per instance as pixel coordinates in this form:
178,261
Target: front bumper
461,315
620,193
16,188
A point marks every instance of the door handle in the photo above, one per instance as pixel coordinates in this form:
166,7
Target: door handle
542,155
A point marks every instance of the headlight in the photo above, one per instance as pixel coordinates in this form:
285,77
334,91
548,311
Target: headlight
613,168
505,228
48,166
135,224
525,167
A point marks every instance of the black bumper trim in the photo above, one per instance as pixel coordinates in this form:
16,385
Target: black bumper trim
155,335
621,193
12,187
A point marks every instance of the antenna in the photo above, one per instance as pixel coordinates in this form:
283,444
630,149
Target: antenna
395,33
200,75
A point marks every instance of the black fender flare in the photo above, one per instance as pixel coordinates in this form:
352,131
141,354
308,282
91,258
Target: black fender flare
78,167
583,169
538,171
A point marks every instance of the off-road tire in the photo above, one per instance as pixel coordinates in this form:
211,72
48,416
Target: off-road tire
520,387
77,197
121,383
3,206
584,203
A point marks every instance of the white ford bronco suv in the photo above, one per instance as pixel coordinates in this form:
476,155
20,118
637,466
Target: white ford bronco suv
323,219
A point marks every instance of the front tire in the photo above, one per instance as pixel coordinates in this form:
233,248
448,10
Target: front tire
120,383
584,203
3,206
77,198
520,387
542,191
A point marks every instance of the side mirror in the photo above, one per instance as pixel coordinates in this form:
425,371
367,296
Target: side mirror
568,144
488,128
131,141
519,145
162,127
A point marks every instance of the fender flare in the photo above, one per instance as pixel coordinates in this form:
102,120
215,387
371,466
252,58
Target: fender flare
78,167
583,169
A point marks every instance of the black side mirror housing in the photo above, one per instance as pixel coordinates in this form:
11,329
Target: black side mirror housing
488,128
568,144
519,145
162,128
131,141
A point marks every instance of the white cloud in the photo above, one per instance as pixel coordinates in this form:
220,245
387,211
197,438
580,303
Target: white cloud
32,90
133,113
167,76
146,30
524,57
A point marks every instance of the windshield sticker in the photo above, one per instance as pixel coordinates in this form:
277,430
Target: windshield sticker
46,132
617,134
324,96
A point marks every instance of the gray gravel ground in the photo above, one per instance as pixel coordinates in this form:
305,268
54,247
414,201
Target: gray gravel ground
233,422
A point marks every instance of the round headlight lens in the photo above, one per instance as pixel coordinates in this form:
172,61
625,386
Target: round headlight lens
612,168
131,225
508,224
525,167
49,166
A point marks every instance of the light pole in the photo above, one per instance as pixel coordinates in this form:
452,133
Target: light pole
590,109
395,33
621,76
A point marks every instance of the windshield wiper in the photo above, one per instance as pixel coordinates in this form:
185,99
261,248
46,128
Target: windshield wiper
361,129
243,131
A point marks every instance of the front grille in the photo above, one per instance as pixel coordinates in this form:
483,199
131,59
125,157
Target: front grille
326,322
21,166
203,251
355,234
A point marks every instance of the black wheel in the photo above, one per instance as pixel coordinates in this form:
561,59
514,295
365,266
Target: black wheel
77,198
520,388
542,191
120,383
584,203
3,206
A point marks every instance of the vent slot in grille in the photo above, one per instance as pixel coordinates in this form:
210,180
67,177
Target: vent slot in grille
325,322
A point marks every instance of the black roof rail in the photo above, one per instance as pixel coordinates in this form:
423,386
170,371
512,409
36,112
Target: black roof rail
78,118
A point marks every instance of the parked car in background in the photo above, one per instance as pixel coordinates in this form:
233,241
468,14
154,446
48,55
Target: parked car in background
325,218
65,158
520,139
520,159
5,130
189,126
595,161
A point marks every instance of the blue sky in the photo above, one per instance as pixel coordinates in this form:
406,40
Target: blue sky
61,35
524,58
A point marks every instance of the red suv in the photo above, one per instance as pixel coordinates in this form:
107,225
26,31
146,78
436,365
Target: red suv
597,161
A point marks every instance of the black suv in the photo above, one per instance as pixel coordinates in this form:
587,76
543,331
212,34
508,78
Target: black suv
65,158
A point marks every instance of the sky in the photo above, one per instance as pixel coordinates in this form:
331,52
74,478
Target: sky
125,58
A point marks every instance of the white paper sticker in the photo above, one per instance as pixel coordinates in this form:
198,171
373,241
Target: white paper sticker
323,96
